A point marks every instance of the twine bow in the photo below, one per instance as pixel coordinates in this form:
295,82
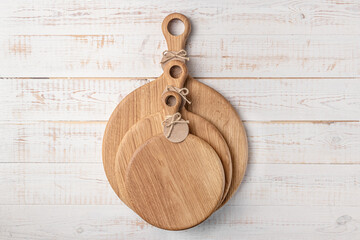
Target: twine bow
171,121
183,92
173,55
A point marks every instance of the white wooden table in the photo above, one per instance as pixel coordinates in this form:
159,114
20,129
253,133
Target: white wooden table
291,69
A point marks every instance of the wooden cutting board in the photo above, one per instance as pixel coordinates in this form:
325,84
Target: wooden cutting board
151,126
171,185
206,102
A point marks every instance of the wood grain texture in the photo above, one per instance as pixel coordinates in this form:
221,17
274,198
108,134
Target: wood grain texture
292,62
210,134
213,107
216,109
175,42
225,17
150,126
139,104
324,142
173,187
307,185
138,134
210,55
255,99
117,222
207,103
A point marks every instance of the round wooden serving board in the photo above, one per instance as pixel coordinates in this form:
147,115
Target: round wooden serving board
151,126
175,186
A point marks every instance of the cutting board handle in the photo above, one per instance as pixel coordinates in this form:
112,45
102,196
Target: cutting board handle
171,102
175,73
176,43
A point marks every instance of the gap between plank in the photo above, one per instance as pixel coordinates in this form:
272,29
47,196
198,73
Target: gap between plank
248,164
245,121
202,78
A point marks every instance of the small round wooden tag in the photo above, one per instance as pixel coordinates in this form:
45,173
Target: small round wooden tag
176,130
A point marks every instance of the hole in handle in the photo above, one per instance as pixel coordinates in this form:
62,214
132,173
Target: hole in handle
175,71
170,101
171,27
176,27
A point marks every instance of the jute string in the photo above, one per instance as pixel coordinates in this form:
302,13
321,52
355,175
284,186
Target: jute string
183,92
171,121
173,55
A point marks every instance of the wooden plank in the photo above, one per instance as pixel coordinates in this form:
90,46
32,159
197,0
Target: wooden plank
63,99
269,142
94,99
263,185
217,17
118,222
60,142
211,55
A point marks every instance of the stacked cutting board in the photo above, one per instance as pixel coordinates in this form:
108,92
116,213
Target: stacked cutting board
175,150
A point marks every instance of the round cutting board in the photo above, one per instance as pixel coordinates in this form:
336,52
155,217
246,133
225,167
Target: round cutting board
175,186
152,125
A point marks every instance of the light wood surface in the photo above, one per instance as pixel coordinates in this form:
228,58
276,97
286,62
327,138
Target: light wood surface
316,17
230,55
316,142
114,222
173,187
284,39
255,99
85,184
290,69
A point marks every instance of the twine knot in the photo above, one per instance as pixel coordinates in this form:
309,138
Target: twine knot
171,121
183,92
173,55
